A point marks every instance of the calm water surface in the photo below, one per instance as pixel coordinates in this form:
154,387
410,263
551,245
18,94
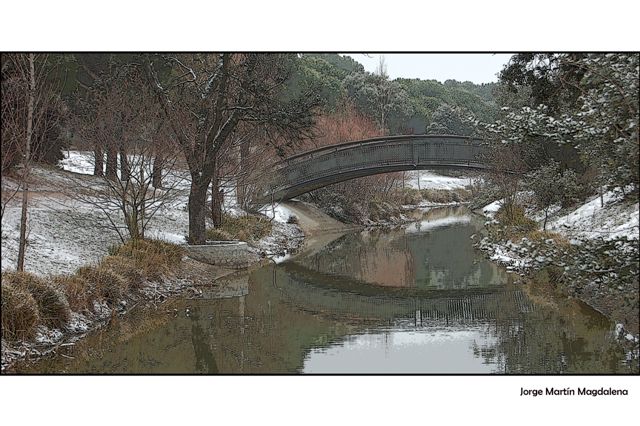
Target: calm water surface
412,300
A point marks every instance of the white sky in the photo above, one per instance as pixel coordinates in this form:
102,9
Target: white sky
474,67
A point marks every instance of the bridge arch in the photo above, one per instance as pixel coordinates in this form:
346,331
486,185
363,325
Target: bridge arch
324,166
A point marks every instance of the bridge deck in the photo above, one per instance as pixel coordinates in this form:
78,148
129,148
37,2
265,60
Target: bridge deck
336,163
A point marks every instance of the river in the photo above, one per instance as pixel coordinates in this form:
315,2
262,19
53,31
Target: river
418,299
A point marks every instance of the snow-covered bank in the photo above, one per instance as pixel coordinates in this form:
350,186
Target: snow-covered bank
591,252
65,234
286,236
590,220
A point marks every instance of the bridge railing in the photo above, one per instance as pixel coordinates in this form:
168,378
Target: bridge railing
314,153
377,155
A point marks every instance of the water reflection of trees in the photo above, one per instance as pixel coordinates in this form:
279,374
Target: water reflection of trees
441,259
565,338
263,332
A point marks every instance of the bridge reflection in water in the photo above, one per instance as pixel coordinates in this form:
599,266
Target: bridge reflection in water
328,312
296,284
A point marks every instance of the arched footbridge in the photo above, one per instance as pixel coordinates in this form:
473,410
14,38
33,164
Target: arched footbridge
324,166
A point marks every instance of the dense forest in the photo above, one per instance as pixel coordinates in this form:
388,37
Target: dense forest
401,106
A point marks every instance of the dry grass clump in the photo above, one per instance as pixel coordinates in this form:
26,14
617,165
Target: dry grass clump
154,258
53,307
125,267
19,311
76,289
244,228
105,284
558,239
410,196
516,217
444,196
216,234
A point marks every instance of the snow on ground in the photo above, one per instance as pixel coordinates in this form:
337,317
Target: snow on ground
278,212
285,237
430,180
78,162
589,221
490,210
61,237
64,234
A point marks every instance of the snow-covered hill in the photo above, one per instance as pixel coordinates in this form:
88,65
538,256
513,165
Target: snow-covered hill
614,219
64,234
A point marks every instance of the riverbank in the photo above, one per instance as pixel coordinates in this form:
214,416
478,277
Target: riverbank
589,252
244,323
66,236
63,239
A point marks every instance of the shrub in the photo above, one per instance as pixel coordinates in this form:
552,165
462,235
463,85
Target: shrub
127,268
77,291
105,284
140,248
53,308
515,217
382,211
19,311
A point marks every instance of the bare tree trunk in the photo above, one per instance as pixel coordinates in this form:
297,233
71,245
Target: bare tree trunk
125,170
197,210
158,165
600,193
143,203
216,201
98,163
27,165
112,162
241,184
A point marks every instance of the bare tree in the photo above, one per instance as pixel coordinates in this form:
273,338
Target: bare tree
344,125
204,97
127,120
508,166
27,159
28,116
130,205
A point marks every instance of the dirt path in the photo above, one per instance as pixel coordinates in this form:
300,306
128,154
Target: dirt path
312,220
319,228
